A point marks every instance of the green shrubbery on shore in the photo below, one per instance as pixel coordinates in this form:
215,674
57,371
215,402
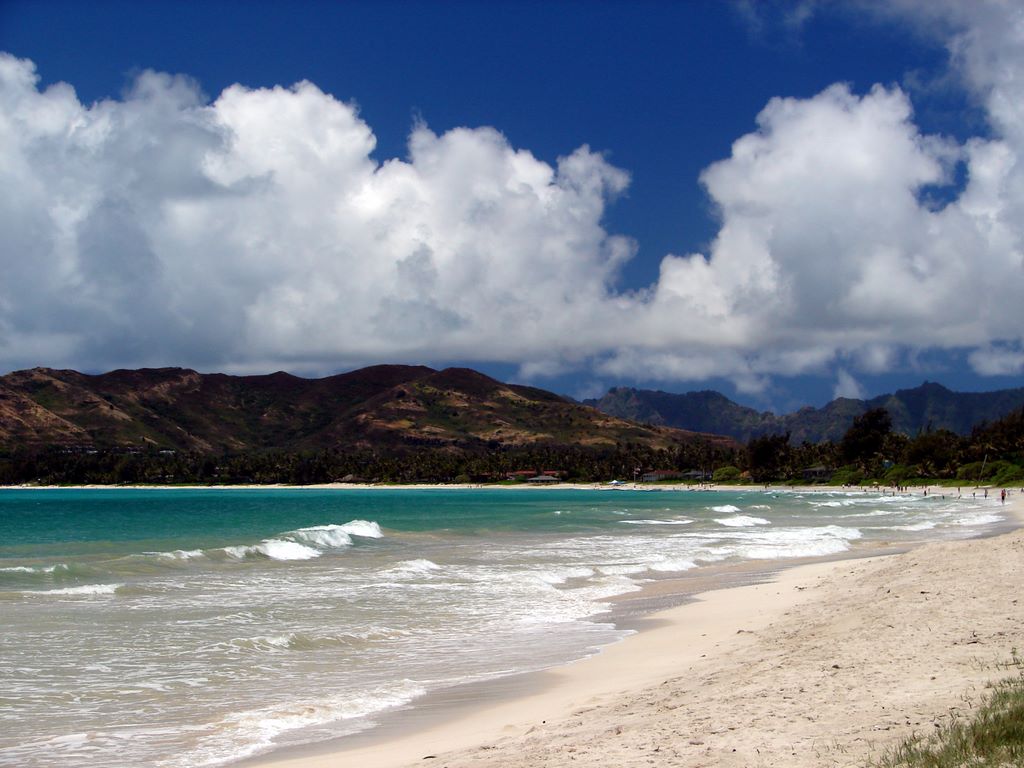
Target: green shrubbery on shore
870,453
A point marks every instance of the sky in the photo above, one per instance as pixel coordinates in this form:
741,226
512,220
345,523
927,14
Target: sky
787,202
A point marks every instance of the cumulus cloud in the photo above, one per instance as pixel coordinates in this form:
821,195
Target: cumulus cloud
258,231
829,246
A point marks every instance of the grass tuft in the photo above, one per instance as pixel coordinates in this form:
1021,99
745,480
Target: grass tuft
994,738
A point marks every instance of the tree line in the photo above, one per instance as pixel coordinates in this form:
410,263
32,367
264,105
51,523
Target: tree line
63,466
869,452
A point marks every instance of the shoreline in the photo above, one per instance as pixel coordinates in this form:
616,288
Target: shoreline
486,723
491,722
665,640
915,490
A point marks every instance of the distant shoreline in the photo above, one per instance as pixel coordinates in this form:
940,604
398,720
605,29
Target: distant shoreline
916,490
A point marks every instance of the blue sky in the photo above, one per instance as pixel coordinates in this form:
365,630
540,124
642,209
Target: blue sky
577,195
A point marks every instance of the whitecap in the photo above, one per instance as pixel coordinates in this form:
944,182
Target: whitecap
419,567
601,589
670,565
279,549
840,531
725,509
301,641
820,548
656,522
367,529
562,575
795,542
977,520
179,554
926,526
322,536
742,521
334,536
275,549
621,569
28,569
88,589
303,543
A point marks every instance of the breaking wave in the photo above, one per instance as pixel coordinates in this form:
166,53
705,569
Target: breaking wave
86,589
741,521
307,543
725,509
656,522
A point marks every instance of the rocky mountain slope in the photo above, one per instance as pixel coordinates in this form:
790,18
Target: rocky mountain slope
384,406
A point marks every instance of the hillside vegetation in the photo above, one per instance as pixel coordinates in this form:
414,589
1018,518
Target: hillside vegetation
396,423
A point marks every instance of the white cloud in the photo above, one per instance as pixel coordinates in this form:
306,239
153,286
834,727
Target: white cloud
257,231
161,228
998,360
847,386
827,248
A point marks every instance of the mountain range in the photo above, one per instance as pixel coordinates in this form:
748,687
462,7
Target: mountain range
394,406
927,407
384,406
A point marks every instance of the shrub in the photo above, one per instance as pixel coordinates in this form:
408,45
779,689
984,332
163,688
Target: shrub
997,472
970,471
897,475
848,475
1008,474
726,474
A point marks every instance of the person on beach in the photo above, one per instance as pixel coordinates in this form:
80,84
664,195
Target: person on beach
1002,497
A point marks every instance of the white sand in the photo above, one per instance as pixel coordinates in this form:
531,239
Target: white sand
825,666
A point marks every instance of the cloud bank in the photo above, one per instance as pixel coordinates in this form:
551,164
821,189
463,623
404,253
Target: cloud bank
257,232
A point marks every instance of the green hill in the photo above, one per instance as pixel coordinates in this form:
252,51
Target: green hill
385,406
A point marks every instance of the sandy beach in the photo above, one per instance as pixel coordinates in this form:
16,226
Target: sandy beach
826,665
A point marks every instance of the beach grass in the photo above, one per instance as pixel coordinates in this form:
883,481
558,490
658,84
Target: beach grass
993,737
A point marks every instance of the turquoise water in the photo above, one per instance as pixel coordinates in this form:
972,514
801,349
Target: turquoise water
196,627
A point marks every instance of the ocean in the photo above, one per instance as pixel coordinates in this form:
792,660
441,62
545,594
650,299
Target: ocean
197,627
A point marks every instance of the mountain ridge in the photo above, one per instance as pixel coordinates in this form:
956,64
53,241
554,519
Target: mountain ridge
383,406
928,406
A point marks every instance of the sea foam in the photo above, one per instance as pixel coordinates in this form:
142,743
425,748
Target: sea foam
29,569
297,641
87,589
413,568
741,521
725,509
670,565
243,734
656,522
